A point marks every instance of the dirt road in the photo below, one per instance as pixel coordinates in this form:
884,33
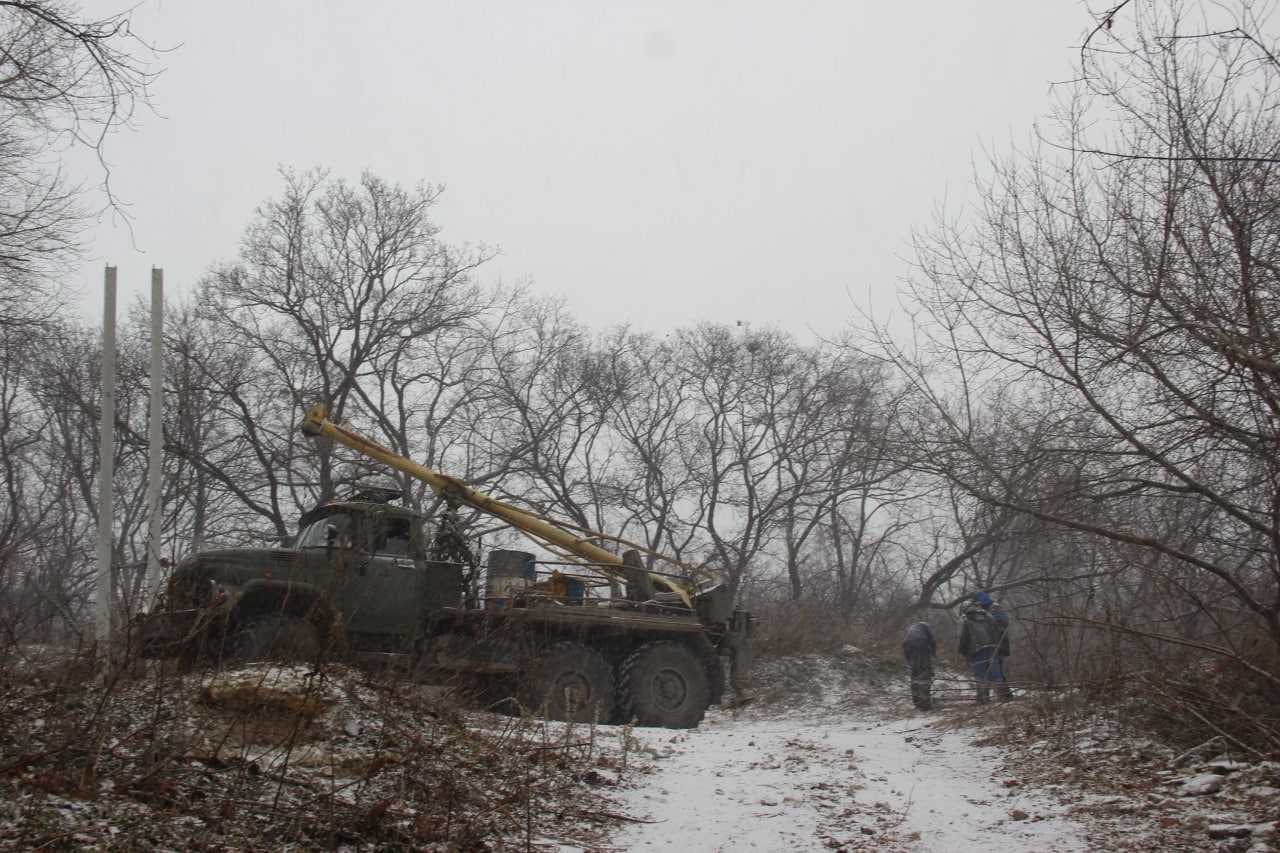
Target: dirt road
850,767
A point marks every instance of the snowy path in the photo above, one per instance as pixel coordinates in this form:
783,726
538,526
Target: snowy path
828,778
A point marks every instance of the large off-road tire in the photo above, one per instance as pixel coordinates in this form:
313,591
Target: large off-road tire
664,684
275,637
569,682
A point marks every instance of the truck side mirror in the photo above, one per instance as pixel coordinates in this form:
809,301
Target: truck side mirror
330,535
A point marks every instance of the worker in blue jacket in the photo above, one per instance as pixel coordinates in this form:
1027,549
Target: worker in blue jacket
983,639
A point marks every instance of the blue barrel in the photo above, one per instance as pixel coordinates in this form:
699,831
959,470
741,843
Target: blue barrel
575,590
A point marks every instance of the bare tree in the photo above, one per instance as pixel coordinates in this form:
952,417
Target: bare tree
65,83
50,422
834,431
1118,286
338,289
656,448
547,432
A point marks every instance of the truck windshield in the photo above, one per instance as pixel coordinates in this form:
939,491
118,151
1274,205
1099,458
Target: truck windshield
316,534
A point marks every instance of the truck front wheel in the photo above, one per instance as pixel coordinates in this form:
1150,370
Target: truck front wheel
275,638
664,684
569,682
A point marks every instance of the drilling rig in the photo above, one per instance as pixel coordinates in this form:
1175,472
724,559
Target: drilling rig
604,630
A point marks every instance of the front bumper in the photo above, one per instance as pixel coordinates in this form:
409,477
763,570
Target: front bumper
167,633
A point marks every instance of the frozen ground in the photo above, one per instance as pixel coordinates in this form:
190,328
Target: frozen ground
843,770
827,755
831,756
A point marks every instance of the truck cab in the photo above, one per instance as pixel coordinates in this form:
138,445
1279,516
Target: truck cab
356,575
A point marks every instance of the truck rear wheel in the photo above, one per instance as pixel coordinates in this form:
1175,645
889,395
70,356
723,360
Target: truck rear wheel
570,682
276,638
664,684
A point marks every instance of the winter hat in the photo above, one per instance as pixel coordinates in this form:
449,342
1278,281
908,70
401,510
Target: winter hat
982,598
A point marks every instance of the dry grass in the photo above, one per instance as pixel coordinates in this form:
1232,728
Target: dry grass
275,759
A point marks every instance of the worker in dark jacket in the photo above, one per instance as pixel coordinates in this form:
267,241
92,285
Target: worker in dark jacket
920,647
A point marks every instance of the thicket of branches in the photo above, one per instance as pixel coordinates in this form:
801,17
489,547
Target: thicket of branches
65,84
729,447
1100,359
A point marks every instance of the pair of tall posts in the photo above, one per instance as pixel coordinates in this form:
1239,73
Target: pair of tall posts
104,587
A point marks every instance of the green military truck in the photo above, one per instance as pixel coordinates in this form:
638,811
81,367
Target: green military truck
595,637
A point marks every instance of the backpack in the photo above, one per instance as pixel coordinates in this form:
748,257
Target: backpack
982,629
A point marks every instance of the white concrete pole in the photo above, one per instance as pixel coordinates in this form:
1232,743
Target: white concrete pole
155,439
106,464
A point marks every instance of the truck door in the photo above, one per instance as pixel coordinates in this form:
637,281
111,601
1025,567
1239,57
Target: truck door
380,588
323,547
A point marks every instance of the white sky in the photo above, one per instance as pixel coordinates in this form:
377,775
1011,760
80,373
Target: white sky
658,163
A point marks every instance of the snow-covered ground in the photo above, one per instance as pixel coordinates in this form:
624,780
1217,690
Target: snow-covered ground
844,770
827,755
830,755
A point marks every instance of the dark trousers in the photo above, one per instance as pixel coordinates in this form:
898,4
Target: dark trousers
920,659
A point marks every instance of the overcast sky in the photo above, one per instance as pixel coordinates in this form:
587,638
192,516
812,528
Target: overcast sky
653,163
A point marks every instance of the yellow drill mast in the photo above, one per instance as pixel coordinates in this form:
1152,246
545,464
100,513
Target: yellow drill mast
548,532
